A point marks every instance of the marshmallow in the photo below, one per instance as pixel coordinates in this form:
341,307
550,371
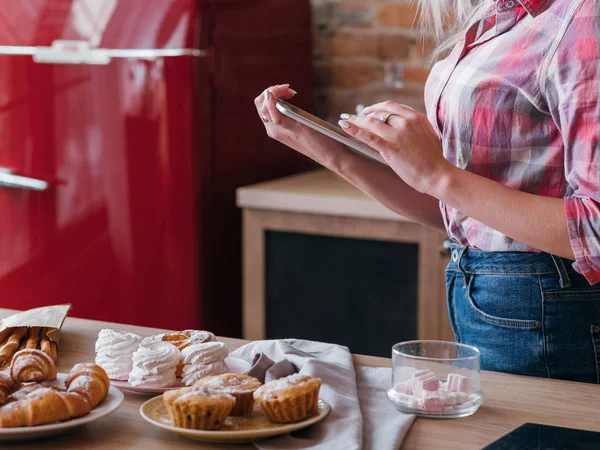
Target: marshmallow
424,381
425,392
452,399
457,383
399,397
404,387
432,401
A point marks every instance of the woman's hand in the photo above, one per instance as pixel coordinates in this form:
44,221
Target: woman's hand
407,142
377,180
291,132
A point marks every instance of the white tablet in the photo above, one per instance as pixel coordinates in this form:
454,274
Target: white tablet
327,129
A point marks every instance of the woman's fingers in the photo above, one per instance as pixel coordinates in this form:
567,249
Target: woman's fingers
271,96
399,117
391,107
265,103
365,128
269,104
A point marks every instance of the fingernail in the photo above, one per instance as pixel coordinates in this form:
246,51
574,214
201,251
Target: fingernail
267,95
287,85
345,116
344,124
293,92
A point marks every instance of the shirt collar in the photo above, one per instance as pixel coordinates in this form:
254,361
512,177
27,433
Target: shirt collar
535,7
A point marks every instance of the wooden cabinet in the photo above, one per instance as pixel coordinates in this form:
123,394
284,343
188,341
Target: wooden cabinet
320,204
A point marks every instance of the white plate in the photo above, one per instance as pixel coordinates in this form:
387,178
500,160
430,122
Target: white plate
236,365
110,404
236,430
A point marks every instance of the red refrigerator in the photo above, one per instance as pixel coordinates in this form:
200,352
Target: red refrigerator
125,128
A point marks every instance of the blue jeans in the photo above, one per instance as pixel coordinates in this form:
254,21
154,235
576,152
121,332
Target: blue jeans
528,313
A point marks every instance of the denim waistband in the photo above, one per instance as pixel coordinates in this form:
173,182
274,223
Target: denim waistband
470,260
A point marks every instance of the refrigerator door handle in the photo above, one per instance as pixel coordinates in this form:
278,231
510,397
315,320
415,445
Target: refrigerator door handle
9,179
80,52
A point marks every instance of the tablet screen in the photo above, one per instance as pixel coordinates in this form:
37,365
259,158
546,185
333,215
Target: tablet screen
328,129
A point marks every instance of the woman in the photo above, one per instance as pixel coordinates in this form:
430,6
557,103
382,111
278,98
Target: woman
507,163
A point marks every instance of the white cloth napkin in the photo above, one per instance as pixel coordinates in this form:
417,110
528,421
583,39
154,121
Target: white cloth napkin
361,417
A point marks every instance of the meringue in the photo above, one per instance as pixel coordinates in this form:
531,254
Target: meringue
203,359
114,349
147,341
196,373
154,365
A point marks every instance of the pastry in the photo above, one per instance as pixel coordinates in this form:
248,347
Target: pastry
185,338
192,374
289,399
31,364
147,341
89,380
87,385
114,351
203,359
26,389
154,365
7,387
33,340
13,340
48,346
198,409
241,387
182,339
4,334
11,345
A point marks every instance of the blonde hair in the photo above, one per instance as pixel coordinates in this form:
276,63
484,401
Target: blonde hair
447,19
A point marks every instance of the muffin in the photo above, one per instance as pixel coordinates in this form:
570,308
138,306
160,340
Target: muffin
198,409
289,399
241,387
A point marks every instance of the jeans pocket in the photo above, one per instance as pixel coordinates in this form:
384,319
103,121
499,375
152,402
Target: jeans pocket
491,291
572,335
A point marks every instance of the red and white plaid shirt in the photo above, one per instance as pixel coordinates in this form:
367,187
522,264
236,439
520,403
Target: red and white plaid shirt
518,101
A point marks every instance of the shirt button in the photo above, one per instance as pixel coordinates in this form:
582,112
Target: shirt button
596,329
510,4
454,255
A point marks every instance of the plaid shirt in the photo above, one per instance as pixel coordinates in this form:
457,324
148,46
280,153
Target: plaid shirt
518,101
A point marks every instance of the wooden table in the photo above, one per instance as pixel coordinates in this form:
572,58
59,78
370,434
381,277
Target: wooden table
510,401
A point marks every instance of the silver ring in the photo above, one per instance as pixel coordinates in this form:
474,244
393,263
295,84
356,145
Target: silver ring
385,117
265,119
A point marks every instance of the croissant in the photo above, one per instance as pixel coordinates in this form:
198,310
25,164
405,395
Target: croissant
87,385
89,380
32,365
42,406
7,387
27,389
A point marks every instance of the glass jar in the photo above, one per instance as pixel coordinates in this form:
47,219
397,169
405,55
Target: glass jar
435,379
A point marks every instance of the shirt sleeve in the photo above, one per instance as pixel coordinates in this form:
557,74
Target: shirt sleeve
572,91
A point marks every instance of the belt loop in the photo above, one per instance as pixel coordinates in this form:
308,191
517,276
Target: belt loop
458,265
565,281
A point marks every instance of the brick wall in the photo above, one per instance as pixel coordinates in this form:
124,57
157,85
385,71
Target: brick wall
366,51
